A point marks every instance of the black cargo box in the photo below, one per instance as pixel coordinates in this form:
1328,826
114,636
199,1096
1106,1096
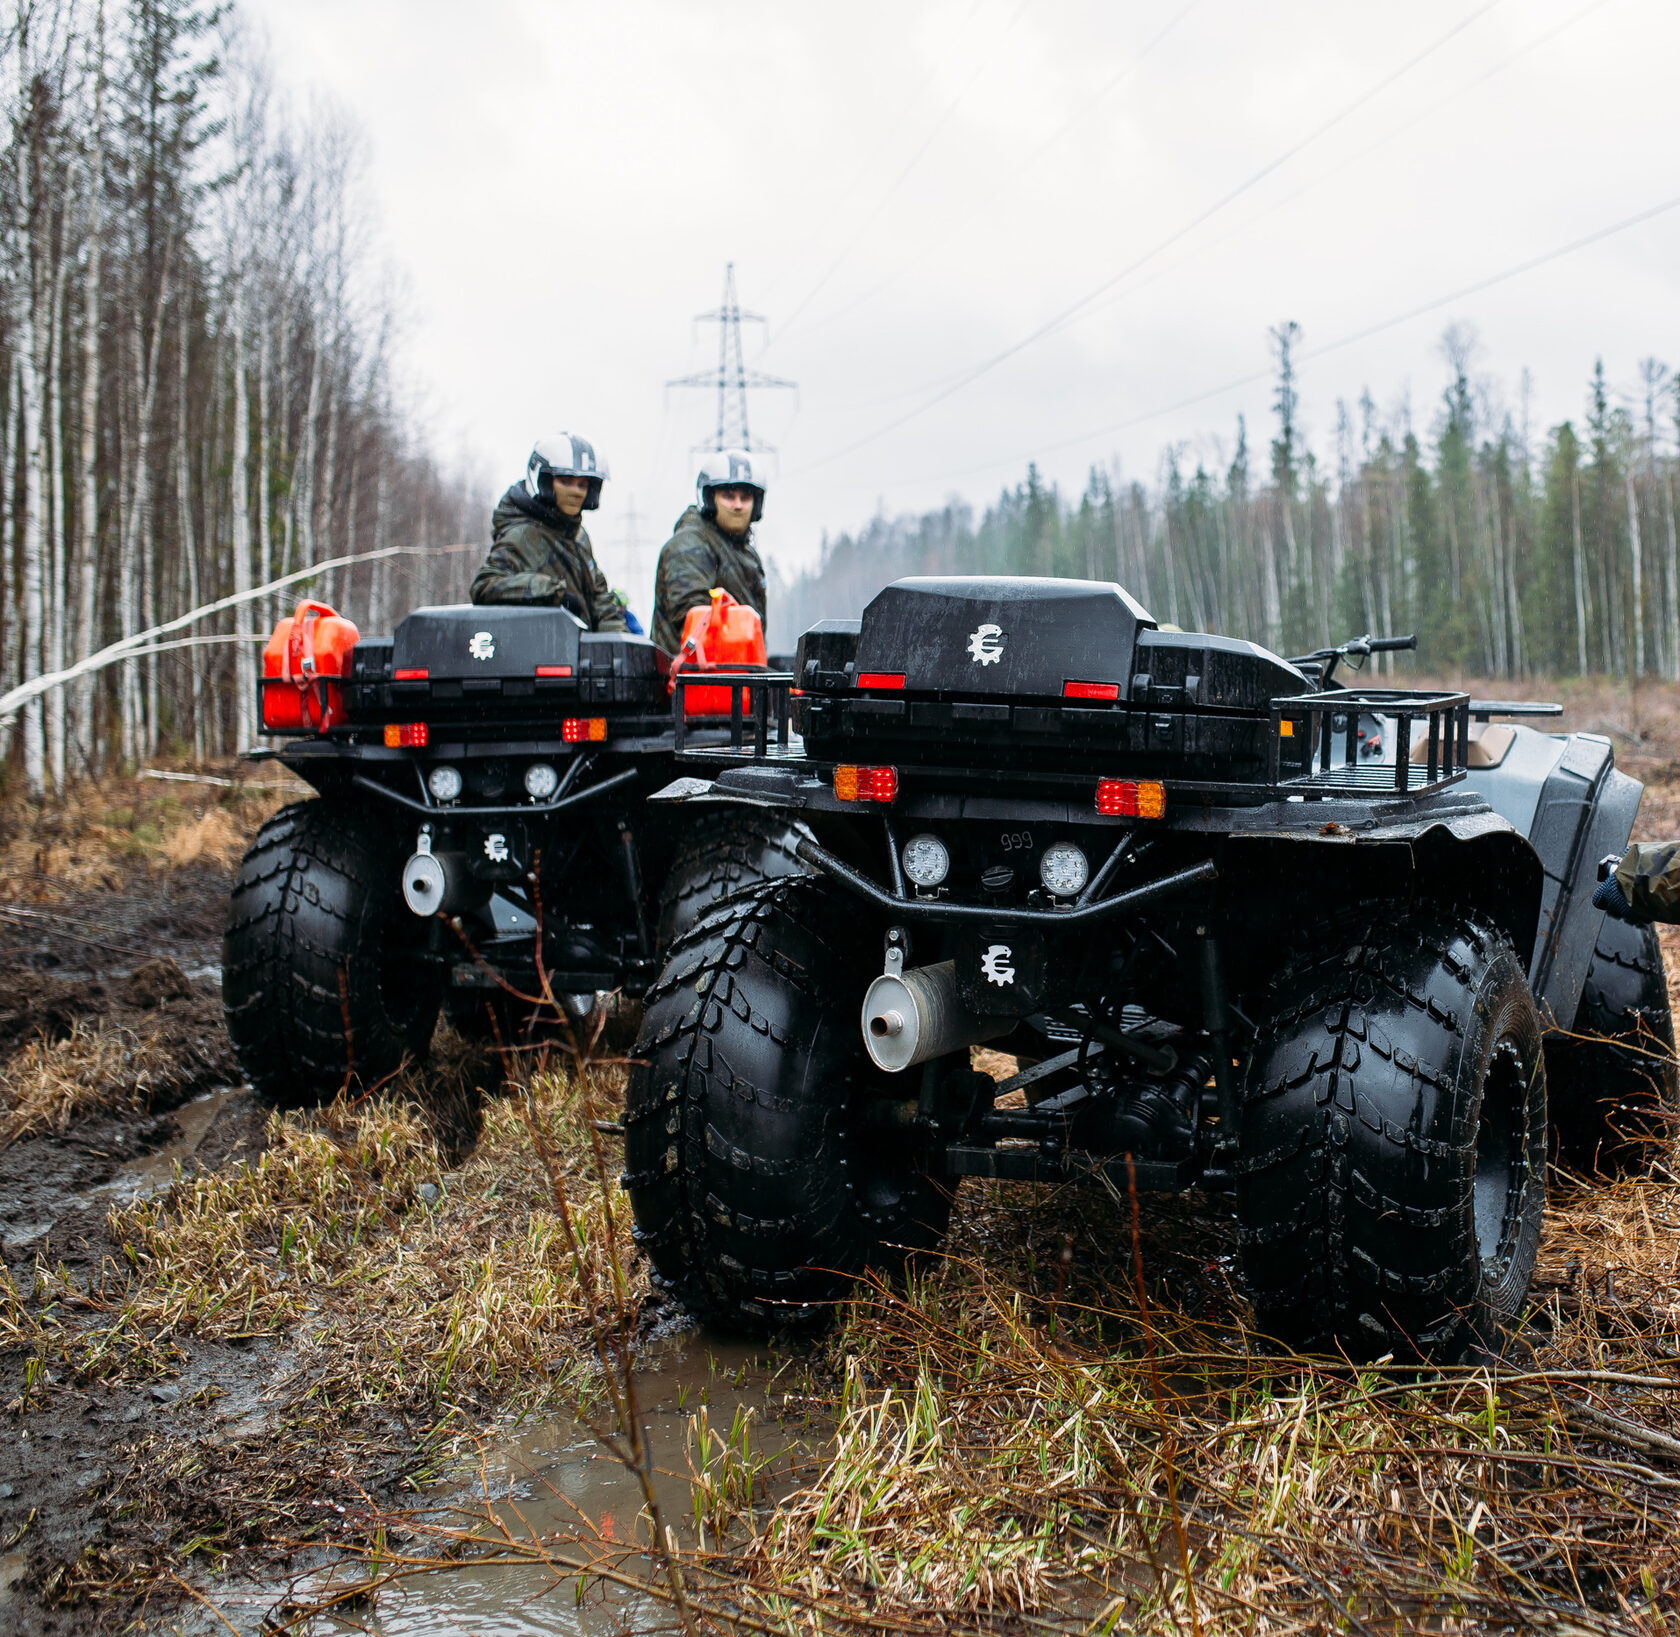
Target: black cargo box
943,670
464,660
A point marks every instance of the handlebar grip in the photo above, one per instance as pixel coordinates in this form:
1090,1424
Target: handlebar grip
1385,645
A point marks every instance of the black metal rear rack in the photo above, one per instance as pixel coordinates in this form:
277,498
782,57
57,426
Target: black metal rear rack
755,697
1309,720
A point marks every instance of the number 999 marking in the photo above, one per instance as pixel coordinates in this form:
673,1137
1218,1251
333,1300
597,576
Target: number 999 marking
1017,841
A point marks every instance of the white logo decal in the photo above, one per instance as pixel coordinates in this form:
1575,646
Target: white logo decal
482,646
995,962
985,647
496,849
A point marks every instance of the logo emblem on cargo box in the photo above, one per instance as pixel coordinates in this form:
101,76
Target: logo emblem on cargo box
995,962
985,647
482,645
496,848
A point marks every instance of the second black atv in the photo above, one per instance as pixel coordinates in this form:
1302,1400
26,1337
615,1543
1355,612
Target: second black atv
1230,937
479,835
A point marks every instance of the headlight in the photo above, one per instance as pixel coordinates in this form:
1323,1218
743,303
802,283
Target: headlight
1063,869
541,781
444,782
925,860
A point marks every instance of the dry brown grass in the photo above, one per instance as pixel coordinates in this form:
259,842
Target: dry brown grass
99,833
98,1065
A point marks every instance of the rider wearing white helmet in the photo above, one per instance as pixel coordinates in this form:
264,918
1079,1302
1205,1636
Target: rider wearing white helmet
712,545
541,551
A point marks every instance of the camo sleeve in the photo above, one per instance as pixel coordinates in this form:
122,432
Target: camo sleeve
1649,877
686,576
516,571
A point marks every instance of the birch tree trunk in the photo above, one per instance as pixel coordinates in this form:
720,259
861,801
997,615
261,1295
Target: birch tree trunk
27,310
1580,576
1636,549
53,449
87,518
1671,611
244,578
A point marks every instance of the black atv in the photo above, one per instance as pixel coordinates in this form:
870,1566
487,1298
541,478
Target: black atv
1241,927
480,841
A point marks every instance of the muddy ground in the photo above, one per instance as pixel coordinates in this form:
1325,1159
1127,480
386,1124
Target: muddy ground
117,1478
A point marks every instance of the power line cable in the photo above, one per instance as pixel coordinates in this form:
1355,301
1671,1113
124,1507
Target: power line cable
1307,354
903,176
1355,158
1071,311
1130,71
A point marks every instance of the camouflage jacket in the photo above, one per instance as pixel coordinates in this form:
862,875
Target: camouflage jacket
1649,877
537,556
698,556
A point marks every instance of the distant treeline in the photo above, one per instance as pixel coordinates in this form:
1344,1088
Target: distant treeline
1507,556
195,393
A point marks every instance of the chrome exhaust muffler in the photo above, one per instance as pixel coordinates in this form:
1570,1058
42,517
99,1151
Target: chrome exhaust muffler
440,883
912,1016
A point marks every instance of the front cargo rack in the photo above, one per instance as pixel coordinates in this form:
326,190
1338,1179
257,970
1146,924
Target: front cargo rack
756,698
1316,722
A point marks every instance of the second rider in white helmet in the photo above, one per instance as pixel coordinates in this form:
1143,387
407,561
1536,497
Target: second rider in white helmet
712,545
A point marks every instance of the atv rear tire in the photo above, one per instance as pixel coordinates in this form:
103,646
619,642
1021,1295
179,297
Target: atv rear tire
1613,1087
1391,1181
757,1192
315,985
723,851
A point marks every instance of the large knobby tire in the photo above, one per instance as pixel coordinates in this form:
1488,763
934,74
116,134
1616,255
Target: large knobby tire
723,851
1391,1181
758,1193
315,984
1612,1081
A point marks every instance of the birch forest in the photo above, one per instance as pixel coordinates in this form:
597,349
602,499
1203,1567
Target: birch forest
195,382
1509,552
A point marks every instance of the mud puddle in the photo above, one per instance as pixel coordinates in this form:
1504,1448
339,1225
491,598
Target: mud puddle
144,1175
554,1482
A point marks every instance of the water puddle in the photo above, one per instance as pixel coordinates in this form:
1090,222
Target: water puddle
555,1479
143,1176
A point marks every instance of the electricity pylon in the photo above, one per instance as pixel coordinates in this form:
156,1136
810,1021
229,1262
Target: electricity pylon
731,379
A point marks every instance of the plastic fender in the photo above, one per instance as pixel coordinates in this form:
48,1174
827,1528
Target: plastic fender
1563,951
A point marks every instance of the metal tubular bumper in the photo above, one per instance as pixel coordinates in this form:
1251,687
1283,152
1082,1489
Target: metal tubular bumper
528,809
1043,920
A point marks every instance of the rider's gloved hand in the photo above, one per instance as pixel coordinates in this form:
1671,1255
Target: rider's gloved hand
1613,901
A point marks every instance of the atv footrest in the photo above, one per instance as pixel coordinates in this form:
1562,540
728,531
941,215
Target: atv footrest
1031,1165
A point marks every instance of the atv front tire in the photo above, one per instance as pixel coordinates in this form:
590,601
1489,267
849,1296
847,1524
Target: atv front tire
317,986
758,1192
723,851
1391,1180
1612,1081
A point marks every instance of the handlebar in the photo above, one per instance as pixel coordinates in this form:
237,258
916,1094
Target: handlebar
1359,648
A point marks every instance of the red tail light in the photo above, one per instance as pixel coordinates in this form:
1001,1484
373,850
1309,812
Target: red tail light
410,676
1127,798
577,730
554,670
866,783
881,679
406,735
1090,690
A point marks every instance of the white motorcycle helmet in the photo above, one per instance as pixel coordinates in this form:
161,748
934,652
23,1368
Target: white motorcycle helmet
564,454
730,469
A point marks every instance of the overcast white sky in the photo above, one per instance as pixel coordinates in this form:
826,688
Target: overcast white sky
909,190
